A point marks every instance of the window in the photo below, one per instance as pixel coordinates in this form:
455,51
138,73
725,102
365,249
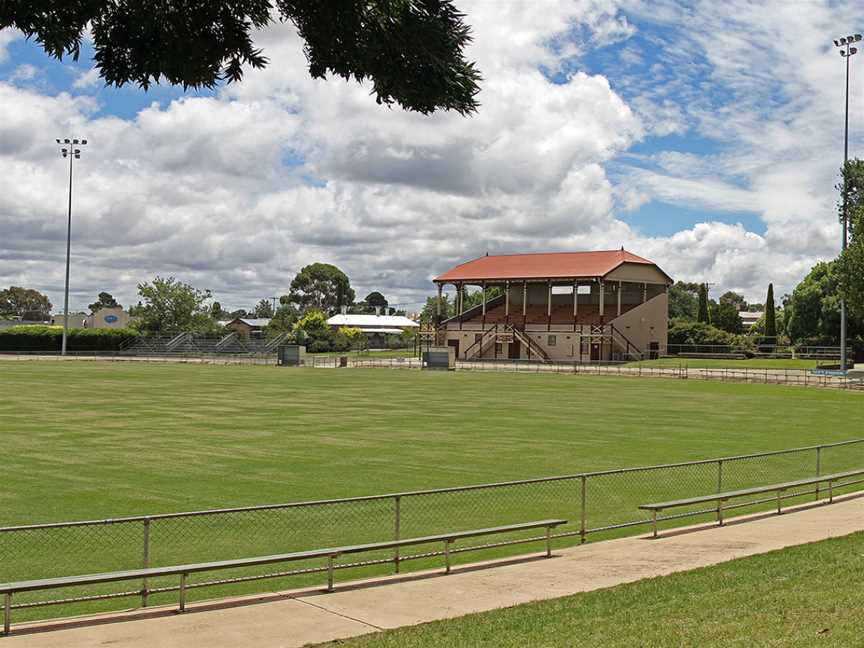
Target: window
584,289
477,337
498,349
552,340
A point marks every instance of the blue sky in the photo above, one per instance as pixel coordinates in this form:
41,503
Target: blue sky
654,125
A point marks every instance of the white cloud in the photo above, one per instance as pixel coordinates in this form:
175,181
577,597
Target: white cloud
7,36
87,79
236,192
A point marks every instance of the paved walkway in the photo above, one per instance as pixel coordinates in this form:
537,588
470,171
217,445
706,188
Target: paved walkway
298,618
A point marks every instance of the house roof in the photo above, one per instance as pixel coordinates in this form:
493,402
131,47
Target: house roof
377,321
546,265
253,322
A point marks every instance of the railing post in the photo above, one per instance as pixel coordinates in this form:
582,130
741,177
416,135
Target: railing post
818,468
182,592
447,556
397,531
548,542
330,573
583,514
7,613
145,561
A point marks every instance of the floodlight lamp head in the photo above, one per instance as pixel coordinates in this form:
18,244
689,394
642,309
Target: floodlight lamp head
66,141
58,141
74,141
64,153
84,142
850,39
852,51
857,37
842,41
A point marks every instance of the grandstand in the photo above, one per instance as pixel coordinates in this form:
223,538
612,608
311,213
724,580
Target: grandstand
568,306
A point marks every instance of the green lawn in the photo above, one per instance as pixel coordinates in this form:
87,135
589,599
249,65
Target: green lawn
715,363
107,439
84,440
808,595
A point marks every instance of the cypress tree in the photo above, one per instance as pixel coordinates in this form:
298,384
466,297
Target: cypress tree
703,304
770,318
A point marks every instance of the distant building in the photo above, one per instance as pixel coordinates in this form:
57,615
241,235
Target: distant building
748,319
76,320
108,317
376,327
247,326
566,306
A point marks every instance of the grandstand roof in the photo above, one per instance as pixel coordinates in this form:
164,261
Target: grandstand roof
545,265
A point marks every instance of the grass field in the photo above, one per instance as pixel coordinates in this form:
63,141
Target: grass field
107,439
802,596
84,440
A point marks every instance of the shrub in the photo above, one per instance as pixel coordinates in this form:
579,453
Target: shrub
319,346
50,339
684,332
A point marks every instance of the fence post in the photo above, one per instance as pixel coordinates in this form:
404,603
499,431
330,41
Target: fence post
818,468
145,561
583,514
397,528
7,613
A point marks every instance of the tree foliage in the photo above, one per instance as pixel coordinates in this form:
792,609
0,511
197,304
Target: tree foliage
850,265
725,317
731,297
770,315
171,306
411,50
323,287
26,303
683,302
812,312
429,314
263,309
702,313
688,332
104,300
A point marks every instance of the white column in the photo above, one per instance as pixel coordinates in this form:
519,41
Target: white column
620,286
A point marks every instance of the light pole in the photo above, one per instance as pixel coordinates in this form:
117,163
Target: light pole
69,148
847,52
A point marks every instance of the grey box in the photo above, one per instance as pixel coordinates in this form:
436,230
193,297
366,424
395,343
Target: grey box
291,355
440,358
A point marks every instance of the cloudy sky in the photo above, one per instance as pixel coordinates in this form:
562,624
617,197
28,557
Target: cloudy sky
705,136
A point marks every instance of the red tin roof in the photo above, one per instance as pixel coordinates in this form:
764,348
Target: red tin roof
547,265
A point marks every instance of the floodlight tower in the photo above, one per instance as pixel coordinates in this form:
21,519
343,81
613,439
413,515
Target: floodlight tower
847,51
69,148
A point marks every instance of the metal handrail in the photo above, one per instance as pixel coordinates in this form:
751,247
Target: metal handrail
431,491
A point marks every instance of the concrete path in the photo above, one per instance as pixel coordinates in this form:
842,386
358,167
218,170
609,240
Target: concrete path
302,617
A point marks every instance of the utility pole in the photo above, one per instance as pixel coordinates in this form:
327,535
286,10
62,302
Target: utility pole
69,148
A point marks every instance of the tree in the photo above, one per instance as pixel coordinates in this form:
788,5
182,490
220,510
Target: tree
731,297
104,300
429,314
702,313
412,50
321,286
376,300
850,265
724,316
683,332
219,313
170,306
770,316
25,303
313,331
263,309
812,313
683,302
283,320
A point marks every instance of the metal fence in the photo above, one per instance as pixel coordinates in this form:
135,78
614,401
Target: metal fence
597,504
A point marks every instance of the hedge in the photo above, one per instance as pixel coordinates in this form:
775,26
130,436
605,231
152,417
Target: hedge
50,339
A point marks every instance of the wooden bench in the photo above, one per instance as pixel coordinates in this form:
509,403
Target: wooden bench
720,498
7,590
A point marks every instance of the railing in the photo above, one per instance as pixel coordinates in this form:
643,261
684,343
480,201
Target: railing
599,504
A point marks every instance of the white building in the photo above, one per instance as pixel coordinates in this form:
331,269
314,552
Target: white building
376,327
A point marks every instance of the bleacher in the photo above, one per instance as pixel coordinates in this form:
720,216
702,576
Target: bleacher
188,343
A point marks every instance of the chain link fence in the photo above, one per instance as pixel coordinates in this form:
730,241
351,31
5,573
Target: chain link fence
597,505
